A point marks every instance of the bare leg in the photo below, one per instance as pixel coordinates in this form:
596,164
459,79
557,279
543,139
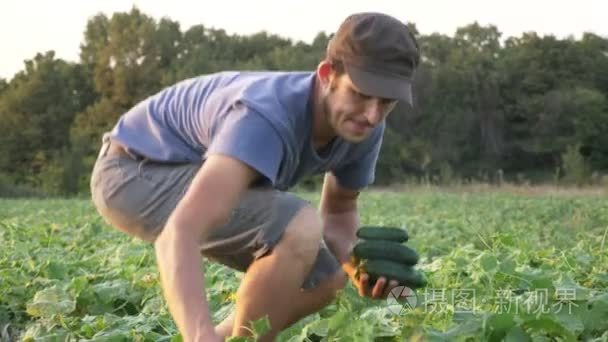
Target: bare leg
272,283
224,328
305,303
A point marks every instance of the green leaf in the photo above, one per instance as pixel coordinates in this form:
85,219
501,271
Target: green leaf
461,263
55,270
467,329
507,266
318,327
548,325
507,240
584,259
536,279
114,289
498,325
239,339
40,332
79,284
261,326
517,334
153,305
338,321
597,317
432,335
4,313
177,338
571,316
115,335
87,330
565,286
49,302
488,262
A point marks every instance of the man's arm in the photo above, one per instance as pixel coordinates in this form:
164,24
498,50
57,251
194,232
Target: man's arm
338,209
206,205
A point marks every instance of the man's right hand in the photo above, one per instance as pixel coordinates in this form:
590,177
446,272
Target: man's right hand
379,290
214,192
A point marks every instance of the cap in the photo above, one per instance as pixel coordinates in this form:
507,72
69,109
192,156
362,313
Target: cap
379,53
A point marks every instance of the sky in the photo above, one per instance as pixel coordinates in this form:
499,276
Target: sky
28,27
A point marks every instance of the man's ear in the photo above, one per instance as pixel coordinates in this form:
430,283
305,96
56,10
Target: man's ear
324,73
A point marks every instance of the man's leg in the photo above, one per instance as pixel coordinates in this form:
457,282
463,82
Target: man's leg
272,283
306,302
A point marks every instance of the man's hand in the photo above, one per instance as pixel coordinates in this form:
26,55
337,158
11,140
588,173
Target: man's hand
379,290
207,204
339,211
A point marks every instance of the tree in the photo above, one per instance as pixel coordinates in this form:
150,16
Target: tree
547,84
3,85
36,111
479,105
129,56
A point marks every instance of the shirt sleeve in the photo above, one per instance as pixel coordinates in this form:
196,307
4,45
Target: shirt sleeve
247,136
360,172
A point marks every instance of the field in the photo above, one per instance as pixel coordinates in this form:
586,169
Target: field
500,266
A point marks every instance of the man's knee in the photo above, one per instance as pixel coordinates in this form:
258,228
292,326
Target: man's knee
302,237
333,285
339,281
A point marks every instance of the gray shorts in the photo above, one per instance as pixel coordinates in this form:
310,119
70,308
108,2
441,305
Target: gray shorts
138,196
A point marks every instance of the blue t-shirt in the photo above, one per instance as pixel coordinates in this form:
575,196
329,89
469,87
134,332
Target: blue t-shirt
263,119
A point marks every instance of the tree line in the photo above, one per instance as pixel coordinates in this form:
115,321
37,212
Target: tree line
486,108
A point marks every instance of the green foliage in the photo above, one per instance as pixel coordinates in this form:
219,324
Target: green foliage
3,85
258,328
89,125
36,111
446,174
576,168
63,174
499,267
9,188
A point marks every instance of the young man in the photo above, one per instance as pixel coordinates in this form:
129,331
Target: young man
203,167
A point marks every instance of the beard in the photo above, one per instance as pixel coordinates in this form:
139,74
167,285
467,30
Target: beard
333,118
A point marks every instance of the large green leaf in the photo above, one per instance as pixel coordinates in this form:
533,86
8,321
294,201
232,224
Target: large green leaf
51,301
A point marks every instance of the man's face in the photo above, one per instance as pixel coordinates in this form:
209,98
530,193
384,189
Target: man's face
350,113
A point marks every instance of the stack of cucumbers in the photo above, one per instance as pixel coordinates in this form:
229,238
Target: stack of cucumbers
381,252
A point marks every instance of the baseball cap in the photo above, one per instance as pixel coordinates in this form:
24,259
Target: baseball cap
379,53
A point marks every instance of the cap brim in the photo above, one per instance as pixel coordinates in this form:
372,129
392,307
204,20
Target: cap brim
379,85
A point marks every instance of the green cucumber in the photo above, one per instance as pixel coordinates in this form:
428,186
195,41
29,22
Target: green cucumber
405,275
382,233
387,250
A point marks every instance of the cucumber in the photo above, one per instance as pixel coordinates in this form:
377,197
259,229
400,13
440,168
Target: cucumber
387,250
405,275
382,233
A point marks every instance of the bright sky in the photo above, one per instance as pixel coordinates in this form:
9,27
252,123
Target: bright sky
28,26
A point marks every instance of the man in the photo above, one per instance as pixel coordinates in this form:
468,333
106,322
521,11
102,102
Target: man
203,167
